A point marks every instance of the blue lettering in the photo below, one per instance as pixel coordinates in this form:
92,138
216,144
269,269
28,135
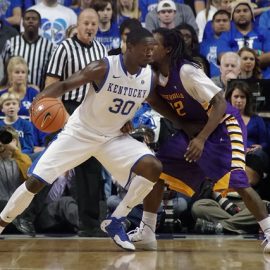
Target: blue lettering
110,87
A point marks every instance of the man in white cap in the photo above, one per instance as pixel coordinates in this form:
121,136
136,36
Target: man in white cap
166,13
169,14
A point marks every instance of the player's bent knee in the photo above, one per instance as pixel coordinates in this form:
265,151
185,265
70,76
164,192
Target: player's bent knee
150,168
156,168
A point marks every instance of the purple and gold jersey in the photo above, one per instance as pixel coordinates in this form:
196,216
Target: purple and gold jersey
189,92
180,100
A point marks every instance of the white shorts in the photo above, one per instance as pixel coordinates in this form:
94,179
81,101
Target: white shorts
118,155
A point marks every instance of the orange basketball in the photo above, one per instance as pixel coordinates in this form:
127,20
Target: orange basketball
48,115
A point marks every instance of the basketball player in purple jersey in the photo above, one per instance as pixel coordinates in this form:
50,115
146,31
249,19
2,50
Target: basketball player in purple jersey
217,151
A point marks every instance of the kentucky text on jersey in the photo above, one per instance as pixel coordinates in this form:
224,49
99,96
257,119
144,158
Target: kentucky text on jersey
126,91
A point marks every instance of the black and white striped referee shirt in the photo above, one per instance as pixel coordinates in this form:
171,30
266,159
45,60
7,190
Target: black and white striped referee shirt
36,55
71,56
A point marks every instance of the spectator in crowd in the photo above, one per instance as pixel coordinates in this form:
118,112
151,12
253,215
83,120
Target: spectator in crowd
180,12
192,45
199,5
55,19
257,161
264,21
29,3
147,6
108,32
229,69
10,105
224,215
126,27
6,32
35,49
244,33
127,9
208,47
59,213
206,15
166,14
81,5
225,5
13,171
11,12
17,71
250,67
85,49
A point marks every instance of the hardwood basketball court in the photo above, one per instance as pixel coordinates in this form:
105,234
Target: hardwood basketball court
185,252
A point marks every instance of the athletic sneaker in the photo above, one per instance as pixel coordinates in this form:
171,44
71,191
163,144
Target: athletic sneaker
143,237
114,227
267,240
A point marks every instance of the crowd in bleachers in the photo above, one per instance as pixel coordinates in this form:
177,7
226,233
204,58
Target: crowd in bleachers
44,41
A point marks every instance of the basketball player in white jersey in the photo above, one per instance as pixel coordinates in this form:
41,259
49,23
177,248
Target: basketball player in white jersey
120,85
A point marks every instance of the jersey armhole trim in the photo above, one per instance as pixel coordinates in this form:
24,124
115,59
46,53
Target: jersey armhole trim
106,74
152,81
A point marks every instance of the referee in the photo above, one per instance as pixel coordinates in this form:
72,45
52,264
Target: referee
72,55
35,49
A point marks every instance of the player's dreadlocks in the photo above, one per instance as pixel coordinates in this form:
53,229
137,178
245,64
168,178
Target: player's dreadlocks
172,39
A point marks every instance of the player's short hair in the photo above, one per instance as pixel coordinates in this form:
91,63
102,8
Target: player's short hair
221,12
129,23
135,37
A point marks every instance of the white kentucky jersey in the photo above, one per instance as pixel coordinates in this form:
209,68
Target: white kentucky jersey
108,107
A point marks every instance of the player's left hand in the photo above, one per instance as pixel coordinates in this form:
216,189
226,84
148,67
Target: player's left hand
127,128
194,149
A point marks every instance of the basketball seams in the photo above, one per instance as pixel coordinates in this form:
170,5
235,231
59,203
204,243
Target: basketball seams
56,110
41,113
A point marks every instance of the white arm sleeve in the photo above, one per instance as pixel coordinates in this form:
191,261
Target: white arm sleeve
197,84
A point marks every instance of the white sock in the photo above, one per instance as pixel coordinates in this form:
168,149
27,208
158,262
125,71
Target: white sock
138,189
265,224
150,219
1,229
17,203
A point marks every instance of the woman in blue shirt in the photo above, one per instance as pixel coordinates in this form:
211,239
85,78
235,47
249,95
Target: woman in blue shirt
257,160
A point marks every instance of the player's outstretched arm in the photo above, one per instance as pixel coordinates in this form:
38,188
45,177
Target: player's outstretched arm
94,72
